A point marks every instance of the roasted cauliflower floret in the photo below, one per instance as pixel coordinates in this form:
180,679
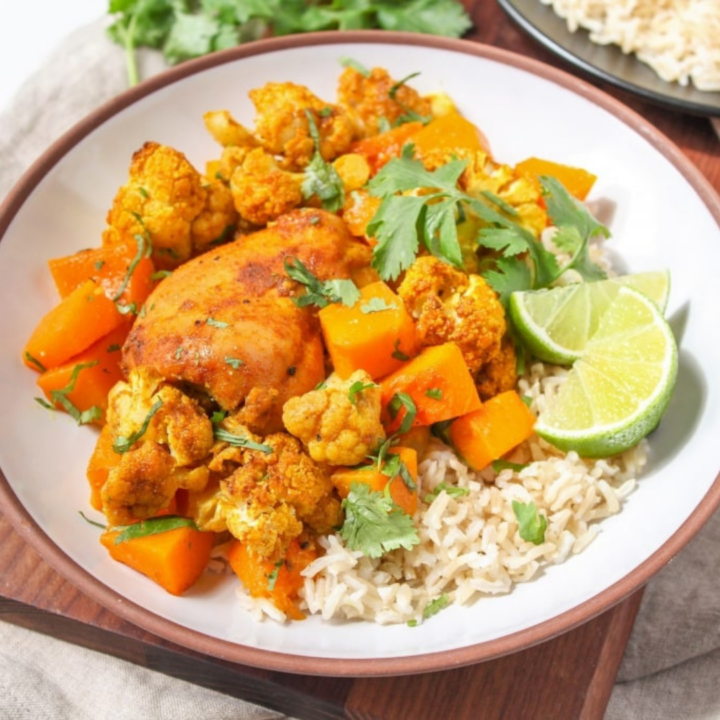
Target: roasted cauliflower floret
177,421
262,191
227,131
269,497
165,435
164,195
370,100
451,306
282,127
499,374
217,220
339,425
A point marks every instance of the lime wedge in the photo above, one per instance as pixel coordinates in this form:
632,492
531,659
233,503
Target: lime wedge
617,391
556,324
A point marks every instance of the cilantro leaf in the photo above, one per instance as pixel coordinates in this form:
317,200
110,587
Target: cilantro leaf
394,467
452,490
357,387
531,525
436,605
398,401
239,440
153,526
374,524
376,304
318,292
321,178
60,397
122,444
498,465
438,17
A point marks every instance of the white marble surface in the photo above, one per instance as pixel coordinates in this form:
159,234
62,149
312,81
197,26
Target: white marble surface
31,30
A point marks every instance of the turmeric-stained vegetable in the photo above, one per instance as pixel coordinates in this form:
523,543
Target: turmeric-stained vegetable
280,581
75,323
359,209
417,438
353,169
85,380
448,133
376,334
123,270
577,182
484,435
376,479
378,149
102,461
174,559
437,381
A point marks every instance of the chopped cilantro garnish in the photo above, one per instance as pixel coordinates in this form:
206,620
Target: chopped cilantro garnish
60,397
376,304
143,249
374,524
321,178
234,363
452,490
98,264
153,526
240,441
34,361
320,292
349,62
357,387
216,323
434,393
273,576
531,525
397,353
113,347
436,605
498,465
160,274
394,466
397,402
122,444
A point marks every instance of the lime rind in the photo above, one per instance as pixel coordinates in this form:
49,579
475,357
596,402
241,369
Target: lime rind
555,324
586,415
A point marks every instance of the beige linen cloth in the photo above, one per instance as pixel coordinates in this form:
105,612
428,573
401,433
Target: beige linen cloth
671,669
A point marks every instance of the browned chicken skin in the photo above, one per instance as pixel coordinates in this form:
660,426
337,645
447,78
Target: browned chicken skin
225,322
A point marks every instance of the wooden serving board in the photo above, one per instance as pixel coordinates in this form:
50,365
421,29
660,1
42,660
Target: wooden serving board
568,677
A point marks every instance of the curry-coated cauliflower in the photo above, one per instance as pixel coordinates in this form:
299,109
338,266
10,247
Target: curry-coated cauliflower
272,493
451,306
370,100
340,422
162,200
283,129
163,435
262,191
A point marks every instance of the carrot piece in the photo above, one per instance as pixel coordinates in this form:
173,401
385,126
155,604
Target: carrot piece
75,323
102,461
577,182
174,559
438,382
109,266
381,148
376,334
400,493
450,132
484,435
94,381
279,581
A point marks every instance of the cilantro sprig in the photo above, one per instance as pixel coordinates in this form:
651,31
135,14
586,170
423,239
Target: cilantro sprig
185,29
374,524
531,524
420,207
320,292
321,179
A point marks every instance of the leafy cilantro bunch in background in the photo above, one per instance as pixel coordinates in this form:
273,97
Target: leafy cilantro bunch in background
185,29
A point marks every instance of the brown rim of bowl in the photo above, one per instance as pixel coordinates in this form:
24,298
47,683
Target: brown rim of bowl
442,660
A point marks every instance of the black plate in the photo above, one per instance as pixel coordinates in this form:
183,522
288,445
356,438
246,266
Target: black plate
607,62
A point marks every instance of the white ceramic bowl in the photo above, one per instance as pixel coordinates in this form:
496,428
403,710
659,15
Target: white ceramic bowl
661,211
